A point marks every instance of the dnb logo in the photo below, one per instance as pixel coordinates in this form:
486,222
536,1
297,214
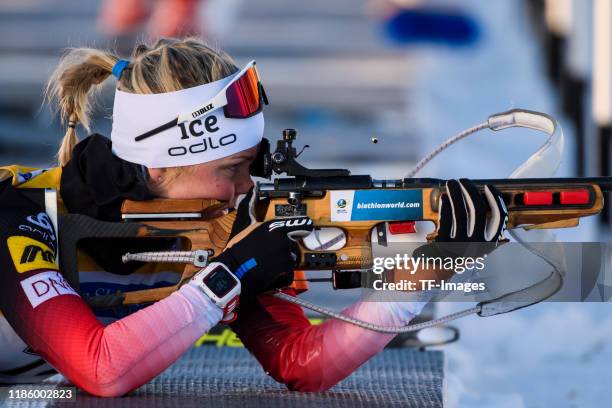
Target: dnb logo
44,286
29,254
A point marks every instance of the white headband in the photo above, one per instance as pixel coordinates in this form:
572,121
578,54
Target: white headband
204,139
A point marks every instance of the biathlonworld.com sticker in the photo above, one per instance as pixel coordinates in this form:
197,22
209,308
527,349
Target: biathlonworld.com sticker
376,205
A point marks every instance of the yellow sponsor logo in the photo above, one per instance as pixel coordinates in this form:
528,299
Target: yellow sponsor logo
29,254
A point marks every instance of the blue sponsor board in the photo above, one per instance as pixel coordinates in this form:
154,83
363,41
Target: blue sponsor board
387,205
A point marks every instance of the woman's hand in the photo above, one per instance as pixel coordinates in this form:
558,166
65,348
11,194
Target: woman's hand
471,224
263,255
463,214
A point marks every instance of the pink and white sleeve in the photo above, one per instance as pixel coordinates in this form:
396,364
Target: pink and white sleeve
112,360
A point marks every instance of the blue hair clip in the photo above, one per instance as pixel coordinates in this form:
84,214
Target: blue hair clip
119,67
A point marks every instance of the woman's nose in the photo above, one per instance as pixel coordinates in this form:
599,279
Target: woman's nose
244,185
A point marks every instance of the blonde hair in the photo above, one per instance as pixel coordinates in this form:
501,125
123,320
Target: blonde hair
169,65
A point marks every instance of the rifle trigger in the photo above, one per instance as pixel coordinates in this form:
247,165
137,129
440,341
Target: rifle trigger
381,234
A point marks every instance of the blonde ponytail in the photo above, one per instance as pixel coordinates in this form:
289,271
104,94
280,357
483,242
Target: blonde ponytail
72,87
168,65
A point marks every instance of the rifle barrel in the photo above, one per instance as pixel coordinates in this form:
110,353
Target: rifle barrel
365,182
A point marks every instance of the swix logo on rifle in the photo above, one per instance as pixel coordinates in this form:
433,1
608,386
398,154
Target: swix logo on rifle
289,223
29,254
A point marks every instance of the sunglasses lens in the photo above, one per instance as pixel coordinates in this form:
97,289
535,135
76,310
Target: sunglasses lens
243,97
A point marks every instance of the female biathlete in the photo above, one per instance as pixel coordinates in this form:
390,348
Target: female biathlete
161,146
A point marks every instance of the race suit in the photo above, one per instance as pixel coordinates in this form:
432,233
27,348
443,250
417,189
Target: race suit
46,324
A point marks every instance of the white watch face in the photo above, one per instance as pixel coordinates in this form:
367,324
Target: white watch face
220,281
219,284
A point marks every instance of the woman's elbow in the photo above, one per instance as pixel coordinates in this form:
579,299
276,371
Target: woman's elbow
302,382
105,393
104,388
309,386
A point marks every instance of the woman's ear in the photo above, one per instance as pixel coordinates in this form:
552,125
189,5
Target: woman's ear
157,175
158,181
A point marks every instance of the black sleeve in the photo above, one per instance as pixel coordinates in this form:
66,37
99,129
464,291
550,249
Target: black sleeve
29,247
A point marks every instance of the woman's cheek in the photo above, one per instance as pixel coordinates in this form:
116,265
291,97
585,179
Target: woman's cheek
224,189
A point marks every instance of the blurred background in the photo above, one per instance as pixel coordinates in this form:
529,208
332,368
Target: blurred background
409,73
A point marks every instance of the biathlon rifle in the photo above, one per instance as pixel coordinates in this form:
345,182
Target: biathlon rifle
332,198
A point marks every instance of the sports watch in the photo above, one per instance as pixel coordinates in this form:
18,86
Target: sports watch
221,286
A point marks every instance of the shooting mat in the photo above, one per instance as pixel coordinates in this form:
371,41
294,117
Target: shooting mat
229,377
